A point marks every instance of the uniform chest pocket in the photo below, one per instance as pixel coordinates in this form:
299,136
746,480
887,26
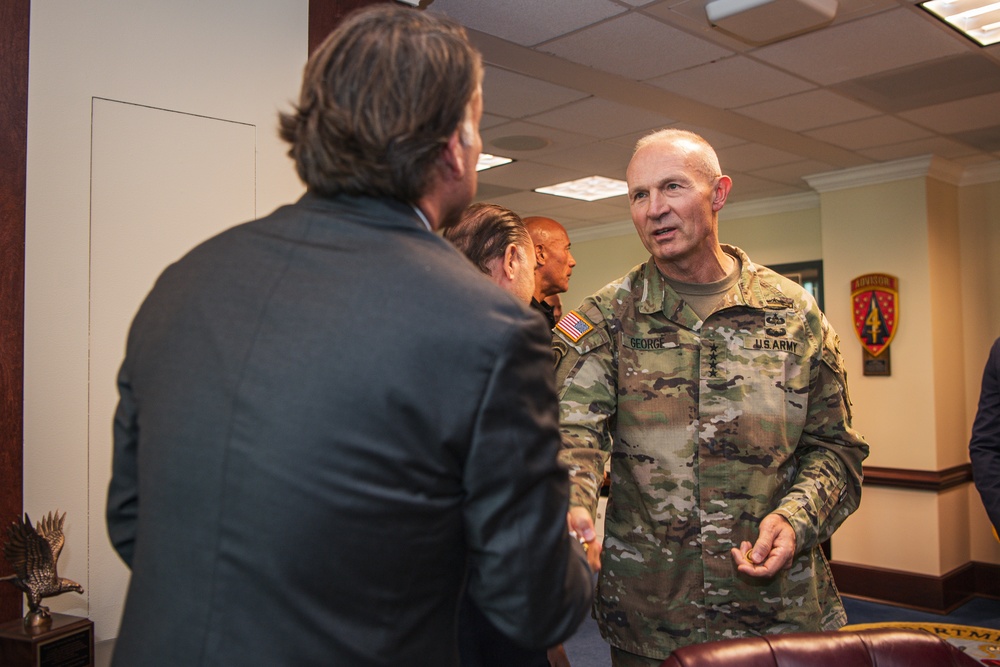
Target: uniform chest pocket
770,373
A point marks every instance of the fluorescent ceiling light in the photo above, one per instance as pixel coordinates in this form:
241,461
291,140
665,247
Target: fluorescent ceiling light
591,188
487,161
979,20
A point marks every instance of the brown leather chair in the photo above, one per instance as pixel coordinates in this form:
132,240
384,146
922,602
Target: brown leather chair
881,647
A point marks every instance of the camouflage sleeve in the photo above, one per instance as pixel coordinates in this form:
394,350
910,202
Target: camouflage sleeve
586,382
827,487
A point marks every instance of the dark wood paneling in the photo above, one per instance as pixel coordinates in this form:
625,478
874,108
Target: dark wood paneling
987,579
324,15
918,591
14,16
920,480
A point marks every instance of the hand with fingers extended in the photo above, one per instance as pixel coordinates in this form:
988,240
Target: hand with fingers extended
581,526
773,550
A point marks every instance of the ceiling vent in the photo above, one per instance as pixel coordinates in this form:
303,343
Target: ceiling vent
764,21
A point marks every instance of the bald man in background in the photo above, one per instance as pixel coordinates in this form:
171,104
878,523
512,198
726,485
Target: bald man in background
553,262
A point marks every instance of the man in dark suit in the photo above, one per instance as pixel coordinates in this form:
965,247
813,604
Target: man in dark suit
327,417
984,446
496,241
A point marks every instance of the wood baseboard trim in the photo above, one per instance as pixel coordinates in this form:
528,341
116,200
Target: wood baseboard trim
939,594
919,480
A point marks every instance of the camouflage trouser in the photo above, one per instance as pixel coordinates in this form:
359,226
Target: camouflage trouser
620,658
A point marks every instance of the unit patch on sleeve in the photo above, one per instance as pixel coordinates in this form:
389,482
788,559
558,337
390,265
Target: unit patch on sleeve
574,326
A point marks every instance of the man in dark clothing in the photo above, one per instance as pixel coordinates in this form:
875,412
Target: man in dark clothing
302,471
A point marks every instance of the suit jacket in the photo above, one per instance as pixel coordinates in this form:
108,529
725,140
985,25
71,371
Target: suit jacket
325,415
984,446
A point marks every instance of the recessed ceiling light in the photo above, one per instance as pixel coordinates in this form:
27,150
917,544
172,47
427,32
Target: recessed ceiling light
487,161
591,188
979,20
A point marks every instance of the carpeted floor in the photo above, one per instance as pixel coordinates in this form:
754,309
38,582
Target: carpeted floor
587,649
978,612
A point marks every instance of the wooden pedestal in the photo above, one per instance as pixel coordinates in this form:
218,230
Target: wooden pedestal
67,642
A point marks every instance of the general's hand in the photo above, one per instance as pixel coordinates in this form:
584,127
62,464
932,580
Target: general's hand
773,550
582,526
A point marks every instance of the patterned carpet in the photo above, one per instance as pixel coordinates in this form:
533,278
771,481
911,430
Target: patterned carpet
587,649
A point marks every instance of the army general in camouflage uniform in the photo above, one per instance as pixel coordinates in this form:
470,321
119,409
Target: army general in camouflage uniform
718,389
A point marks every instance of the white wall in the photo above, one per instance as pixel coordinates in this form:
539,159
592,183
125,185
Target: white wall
221,61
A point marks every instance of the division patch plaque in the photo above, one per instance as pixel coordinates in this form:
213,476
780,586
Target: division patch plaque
875,306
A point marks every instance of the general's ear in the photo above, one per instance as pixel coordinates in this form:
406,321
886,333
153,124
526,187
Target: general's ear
721,193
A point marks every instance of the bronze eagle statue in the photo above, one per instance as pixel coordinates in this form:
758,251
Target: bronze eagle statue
33,552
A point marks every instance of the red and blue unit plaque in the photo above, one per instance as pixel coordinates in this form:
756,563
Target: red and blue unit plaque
875,298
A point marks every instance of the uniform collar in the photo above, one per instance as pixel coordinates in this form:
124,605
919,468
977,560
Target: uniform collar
657,296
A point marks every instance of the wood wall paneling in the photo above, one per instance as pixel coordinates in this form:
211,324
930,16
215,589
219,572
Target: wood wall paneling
14,19
918,480
918,591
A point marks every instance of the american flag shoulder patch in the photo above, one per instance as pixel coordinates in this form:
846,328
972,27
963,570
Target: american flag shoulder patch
574,326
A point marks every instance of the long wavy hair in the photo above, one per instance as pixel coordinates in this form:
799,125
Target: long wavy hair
380,98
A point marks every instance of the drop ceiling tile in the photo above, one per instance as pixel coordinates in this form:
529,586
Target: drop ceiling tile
877,43
599,158
489,120
751,156
792,173
489,192
526,203
984,138
636,47
600,118
717,139
528,175
939,146
962,115
735,81
878,131
514,95
557,139
747,188
604,210
807,111
926,84
526,22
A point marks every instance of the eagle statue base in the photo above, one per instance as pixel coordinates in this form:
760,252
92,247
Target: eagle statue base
64,641
42,638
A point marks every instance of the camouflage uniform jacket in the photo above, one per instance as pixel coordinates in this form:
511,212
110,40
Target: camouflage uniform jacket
710,426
